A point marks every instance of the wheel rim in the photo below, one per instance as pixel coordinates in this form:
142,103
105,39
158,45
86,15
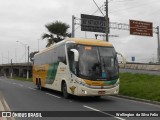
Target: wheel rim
64,89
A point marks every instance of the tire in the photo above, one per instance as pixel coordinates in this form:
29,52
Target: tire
64,90
97,97
39,87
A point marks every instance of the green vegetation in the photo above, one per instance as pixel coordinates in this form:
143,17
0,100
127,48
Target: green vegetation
142,86
22,79
57,32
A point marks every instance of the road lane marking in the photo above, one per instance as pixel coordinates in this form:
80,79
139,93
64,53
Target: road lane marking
53,95
32,88
91,108
14,83
20,85
102,112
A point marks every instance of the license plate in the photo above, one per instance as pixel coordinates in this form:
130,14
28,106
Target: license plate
101,92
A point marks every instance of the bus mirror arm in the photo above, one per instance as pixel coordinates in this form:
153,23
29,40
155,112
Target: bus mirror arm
124,61
76,54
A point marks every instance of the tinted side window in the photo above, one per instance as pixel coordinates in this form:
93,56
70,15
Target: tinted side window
61,54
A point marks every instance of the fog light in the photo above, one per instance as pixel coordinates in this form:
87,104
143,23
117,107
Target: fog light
85,92
116,92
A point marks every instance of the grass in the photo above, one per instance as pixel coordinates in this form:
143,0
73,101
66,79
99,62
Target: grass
22,79
143,86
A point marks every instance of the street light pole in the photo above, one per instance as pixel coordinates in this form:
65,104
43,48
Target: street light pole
28,65
38,44
11,69
158,49
25,45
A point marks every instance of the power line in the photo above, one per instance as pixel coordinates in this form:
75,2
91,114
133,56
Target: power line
110,1
123,0
98,8
140,5
92,14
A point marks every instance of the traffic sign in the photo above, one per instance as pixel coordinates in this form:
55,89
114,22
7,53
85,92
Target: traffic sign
93,23
141,28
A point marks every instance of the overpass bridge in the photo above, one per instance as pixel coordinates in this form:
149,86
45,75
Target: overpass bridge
19,69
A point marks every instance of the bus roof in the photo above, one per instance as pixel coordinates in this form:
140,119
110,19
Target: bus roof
90,42
78,41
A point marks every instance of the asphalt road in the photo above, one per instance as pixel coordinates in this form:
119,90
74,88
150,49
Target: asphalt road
140,71
23,96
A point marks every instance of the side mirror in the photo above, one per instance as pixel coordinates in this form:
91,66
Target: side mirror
124,61
76,54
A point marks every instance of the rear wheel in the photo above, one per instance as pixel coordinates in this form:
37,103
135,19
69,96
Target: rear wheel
64,90
39,87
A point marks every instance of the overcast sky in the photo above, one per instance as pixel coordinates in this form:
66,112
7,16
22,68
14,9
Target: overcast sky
24,21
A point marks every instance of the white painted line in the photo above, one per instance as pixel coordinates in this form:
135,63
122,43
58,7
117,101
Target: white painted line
102,112
91,108
32,88
20,85
53,95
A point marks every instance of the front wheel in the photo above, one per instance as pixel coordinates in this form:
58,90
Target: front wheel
64,90
97,97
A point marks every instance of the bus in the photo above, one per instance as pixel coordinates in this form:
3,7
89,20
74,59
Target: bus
81,67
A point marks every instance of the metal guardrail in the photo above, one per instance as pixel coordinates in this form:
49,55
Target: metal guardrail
141,66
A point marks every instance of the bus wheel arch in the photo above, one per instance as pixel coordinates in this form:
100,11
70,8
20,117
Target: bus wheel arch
64,89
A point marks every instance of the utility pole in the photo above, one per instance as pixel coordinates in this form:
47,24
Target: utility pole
107,22
158,49
11,69
73,26
28,65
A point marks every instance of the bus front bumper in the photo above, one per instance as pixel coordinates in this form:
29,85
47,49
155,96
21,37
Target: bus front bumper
86,91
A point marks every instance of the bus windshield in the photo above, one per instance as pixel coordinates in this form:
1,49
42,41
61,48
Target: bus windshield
97,63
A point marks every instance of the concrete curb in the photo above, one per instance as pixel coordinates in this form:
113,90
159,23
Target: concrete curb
138,99
4,107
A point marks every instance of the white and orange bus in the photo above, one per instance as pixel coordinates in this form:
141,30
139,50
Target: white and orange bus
82,67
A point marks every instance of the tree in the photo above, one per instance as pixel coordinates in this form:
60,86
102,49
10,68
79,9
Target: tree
32,55
57,32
